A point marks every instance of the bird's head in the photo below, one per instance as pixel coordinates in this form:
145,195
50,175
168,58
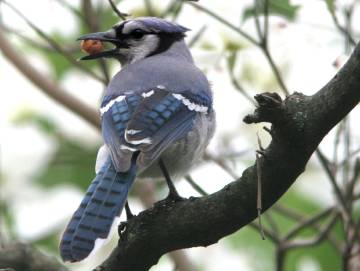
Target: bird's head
136,39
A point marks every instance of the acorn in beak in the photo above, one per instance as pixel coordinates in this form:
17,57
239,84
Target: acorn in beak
93,44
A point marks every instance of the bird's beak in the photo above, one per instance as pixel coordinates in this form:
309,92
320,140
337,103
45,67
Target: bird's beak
108,36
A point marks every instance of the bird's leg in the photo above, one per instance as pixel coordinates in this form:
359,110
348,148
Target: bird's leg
124,224
173,194
129,214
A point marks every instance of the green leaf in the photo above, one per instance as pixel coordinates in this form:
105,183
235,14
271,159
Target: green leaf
58,63
248,239
233,46
7,219
231,61
72,164
330,5
276,7
48,243
44,123
107,18
324,255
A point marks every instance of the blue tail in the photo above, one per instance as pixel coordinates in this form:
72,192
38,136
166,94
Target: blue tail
103,201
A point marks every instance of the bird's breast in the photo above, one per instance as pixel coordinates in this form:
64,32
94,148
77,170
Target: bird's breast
184,153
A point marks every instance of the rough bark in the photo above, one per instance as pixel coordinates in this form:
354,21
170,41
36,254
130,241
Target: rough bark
299,123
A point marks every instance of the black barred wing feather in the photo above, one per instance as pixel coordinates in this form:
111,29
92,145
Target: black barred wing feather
115,116
159,120
148,121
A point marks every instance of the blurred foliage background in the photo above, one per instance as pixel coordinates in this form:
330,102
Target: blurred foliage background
245,47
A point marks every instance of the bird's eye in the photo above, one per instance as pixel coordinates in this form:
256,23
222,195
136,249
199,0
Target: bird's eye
137,34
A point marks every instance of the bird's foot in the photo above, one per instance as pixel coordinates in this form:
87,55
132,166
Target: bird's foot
121,229
174,196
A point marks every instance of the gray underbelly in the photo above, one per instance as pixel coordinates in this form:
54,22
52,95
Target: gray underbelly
183,154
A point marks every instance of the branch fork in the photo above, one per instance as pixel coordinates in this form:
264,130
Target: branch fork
270,108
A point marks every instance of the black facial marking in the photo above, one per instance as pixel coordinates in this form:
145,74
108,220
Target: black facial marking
166,40
118,29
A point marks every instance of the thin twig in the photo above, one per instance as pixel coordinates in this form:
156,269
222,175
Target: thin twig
91,19
172,6
220,162
1,14
306,223
257,21
149,7
292,214
275,70
223,21
356,197
52,89
176,10
55,45
121,15
346,208
264,41
71,8
240,88
355,254
262,44
234,81
194,185
325,164
347,146
272,222
29,40
2,237
351,155
42,46
272,236
342,29
90,15
280,254
318,239
335,166
197,36
351,186
266,20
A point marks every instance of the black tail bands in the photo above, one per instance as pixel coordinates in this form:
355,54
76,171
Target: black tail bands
104,200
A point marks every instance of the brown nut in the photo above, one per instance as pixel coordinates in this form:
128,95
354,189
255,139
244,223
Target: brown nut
91,46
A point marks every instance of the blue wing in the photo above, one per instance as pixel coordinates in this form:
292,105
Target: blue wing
114,121
149,121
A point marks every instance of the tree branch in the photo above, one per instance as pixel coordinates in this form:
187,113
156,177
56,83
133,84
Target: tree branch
299,123
45,84
57,47
146,193
91,19
18,256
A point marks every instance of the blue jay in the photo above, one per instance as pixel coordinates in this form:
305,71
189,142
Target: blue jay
157,119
